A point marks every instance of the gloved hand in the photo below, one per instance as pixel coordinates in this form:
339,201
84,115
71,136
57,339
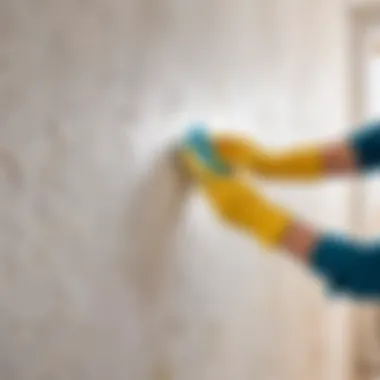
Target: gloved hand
234,200
301,163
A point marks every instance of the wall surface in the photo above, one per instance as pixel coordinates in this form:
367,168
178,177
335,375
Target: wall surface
106,271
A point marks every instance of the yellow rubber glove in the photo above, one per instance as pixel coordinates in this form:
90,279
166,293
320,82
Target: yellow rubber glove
301,163
238,203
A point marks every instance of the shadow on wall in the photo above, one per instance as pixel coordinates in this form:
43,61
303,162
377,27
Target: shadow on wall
157,203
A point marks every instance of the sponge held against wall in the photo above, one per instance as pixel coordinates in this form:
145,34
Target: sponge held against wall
199,155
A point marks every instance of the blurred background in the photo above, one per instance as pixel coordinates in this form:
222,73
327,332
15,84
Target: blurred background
109,268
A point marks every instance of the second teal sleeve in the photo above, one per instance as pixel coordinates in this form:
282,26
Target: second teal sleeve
348,266
366,144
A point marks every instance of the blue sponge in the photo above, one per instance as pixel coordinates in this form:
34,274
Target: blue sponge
198,141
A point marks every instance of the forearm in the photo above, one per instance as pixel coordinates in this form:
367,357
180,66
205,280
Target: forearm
338,159
299,239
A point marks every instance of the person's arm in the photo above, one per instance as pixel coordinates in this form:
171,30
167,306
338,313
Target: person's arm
349,266
357,153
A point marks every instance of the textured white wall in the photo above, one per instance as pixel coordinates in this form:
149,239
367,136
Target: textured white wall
105,271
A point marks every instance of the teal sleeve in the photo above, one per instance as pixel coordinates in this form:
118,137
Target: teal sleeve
366,144
348,266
